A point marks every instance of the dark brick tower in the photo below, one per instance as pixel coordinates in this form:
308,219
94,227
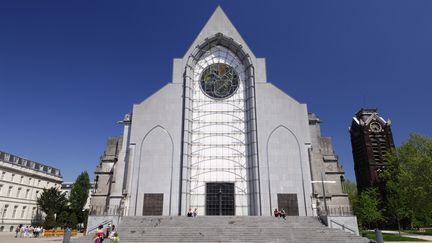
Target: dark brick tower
371,138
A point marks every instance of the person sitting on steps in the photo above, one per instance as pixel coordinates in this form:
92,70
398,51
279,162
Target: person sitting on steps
282,213
276,212
189,214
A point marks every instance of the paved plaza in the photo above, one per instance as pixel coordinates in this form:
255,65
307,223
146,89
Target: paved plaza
10,238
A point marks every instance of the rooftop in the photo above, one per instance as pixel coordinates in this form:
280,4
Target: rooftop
16,160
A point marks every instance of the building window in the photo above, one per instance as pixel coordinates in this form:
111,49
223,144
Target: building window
11,229
9,191
30,181
33,211
5,211
18,192
14,212
22,178
23,212
27,193
1,186
37,194
2,228
13,176
38,182
3,175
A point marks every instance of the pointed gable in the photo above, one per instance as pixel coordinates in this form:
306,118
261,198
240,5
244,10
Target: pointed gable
218,24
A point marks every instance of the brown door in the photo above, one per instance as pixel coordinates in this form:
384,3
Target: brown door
153,204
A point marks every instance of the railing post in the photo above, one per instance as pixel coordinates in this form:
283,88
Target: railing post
66,235
378,236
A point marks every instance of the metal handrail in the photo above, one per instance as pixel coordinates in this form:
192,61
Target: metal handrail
343,226
109,221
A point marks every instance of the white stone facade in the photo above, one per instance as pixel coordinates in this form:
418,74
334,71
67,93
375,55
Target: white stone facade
21,181
180,140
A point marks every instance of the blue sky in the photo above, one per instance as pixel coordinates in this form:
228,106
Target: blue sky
69,70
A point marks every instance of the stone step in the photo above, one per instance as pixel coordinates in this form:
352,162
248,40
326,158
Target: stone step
228,229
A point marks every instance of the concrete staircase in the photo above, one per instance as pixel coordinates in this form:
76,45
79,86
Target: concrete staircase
228,229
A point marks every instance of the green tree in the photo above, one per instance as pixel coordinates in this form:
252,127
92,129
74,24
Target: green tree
409,181
37,219
367,208
52,202
351,189
49,221
63,219
79,195
73,221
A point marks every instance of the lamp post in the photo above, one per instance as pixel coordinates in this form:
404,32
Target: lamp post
324,195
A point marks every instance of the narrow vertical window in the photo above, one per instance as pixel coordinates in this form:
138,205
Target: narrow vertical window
9,191
4,215
14,212
23,212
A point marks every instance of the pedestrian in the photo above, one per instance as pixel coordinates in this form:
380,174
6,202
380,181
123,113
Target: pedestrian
113,231
99,236
17,230
116,238
189,214
282,213
195,213
276,213
26,232
108,231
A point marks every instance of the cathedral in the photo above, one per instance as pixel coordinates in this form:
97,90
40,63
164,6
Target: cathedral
221,139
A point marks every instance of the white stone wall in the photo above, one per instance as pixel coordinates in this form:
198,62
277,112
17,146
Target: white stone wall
20,184
283,140
154,157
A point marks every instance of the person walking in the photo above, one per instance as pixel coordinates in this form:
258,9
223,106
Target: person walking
108,231
99,236
17,230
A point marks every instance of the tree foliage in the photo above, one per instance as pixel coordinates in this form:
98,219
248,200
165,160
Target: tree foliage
52,201
61,211
49,221
351,189
367,208
408,180
79,195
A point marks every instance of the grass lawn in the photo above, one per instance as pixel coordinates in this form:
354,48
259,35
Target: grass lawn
389,237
